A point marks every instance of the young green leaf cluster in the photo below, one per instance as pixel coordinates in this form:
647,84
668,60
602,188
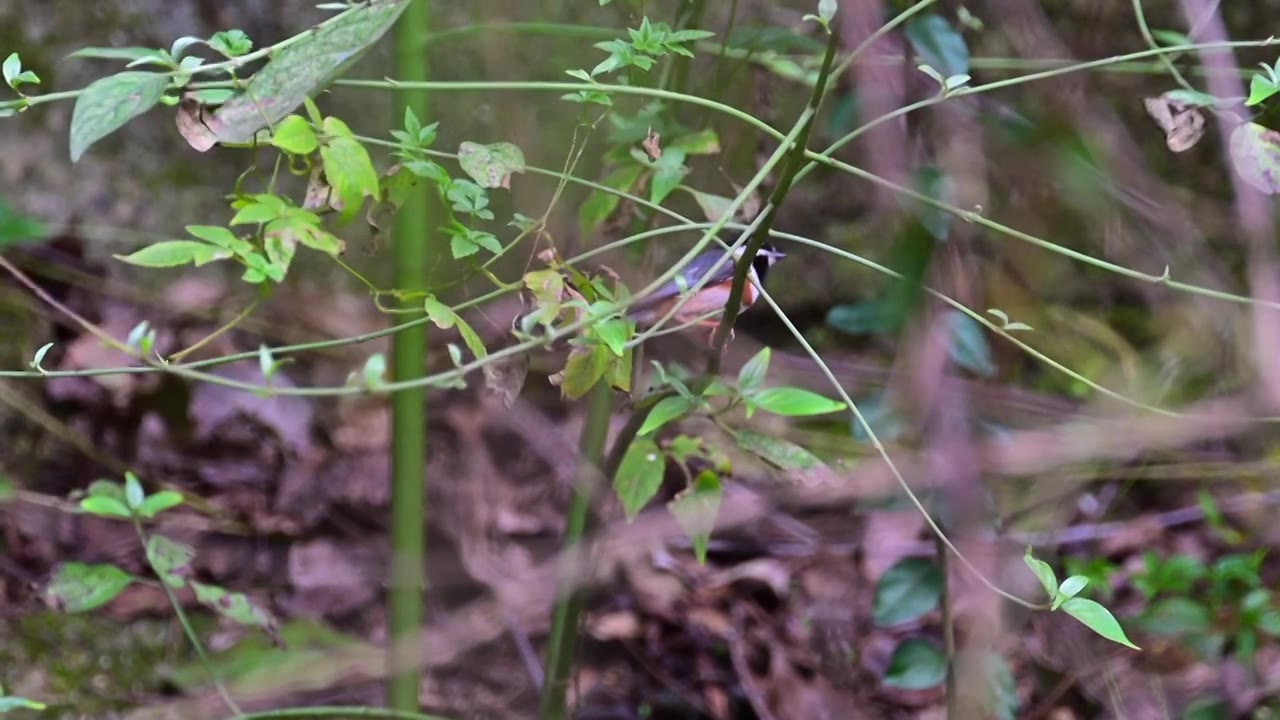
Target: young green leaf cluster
79,587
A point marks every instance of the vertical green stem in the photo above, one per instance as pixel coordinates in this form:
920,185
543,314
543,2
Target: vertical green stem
564,619
408,407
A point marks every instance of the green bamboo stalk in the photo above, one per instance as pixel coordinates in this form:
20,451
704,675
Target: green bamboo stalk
568,608
408,407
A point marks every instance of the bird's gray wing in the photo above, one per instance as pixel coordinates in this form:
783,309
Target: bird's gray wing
694,272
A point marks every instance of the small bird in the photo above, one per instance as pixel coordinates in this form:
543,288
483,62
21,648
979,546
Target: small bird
713,296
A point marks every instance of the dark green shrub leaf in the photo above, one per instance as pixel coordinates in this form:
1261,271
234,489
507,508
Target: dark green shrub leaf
107,104
702,142
668,171
695,510
172,253
916,665
938,44
170,559
875,316
1098,619
639,476
78,587
491,165
968,347
158,503
1255,153
794,402
599,204
1177,617
666,410
713,206
907,591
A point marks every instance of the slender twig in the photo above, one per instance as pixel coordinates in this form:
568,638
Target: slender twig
336,711
794,162
187,628
226,327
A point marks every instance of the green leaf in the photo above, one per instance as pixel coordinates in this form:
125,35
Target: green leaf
1098,619
666,410
171,253
907,591
1043,572
294,135
347,167
600,205
794,402
235,607
702,142
938,44
1069,589
10,69
18,228
826,10
133,492
461,246
874,316
783,453
107,104
916,665
968,346
374,371
444,318
158,503
668,171
613,333
79,587
639,476
586,365
1260,88
113,53
220,236
713,207
9,703
170,559
1194,98
491,165
103,506
1171,37
751,376
231,43
1177,617
696,509
1255,153
302,69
